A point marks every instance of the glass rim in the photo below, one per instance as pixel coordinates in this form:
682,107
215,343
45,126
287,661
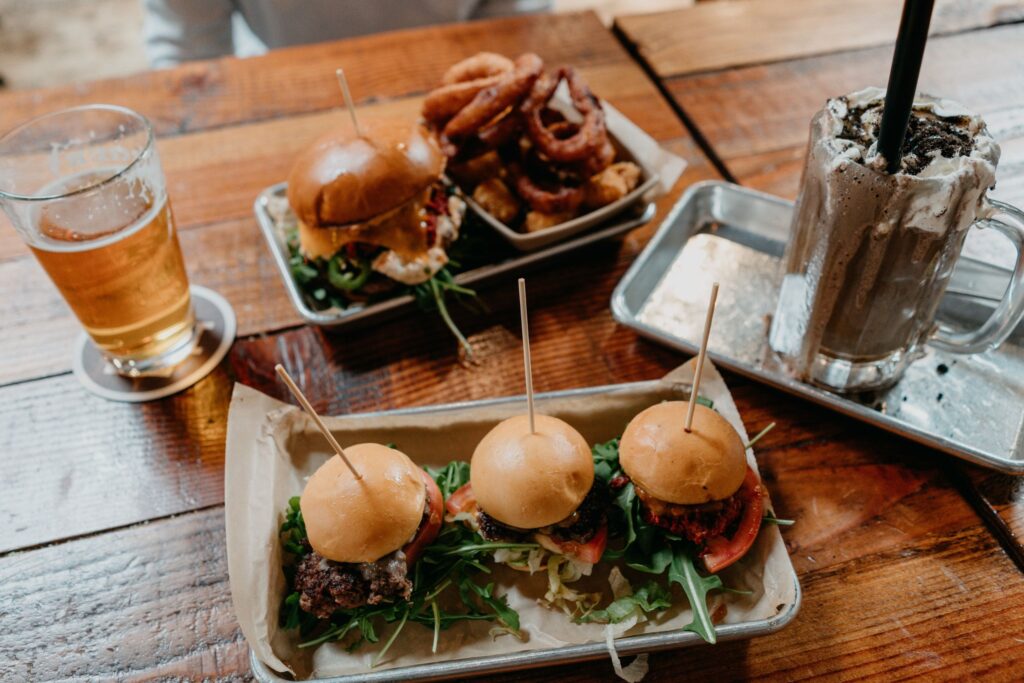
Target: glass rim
130,113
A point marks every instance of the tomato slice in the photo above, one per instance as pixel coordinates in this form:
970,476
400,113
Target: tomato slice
722,551
463,500
591,551
429,529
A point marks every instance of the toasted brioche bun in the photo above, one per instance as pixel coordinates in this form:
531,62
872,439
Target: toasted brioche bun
350,520
529,480
708,463
343,178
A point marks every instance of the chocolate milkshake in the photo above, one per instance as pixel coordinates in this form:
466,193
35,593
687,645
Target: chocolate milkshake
870,252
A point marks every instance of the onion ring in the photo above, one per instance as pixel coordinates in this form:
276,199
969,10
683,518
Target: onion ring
494,135
480,65
591,135
493,100
448,100
563,200
502,130
602,159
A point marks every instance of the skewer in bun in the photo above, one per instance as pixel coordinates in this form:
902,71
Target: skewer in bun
362,520
678,466
530,480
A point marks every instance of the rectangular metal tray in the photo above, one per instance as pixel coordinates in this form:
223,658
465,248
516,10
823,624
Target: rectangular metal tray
334,318
530,659
971,407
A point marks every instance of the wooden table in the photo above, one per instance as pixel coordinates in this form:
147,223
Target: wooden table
112,559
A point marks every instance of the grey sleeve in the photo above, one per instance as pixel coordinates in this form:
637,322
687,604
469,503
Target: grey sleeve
176,31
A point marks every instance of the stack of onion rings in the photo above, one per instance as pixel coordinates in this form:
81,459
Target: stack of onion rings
462,82
488,102
590,136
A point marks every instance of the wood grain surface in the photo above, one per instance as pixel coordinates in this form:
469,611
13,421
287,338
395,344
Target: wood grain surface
729,33
900,575
899,579
756,118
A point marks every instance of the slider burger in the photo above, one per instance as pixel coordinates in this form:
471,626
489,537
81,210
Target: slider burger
374,204
694,484
365,534
536,487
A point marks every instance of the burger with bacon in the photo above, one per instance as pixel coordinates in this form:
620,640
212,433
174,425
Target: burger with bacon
536,487
695,484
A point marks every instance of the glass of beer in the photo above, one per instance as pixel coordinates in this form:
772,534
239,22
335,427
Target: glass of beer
84,188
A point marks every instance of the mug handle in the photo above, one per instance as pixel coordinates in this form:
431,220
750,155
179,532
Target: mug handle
1010,309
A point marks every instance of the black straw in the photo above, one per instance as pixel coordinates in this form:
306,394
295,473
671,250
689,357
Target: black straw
906,65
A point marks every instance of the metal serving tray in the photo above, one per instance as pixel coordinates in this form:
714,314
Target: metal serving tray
530,659
333,317
969,406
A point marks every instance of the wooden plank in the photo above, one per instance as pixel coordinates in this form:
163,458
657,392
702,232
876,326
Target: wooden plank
730,33
1003,498
756,119
914,586
301,79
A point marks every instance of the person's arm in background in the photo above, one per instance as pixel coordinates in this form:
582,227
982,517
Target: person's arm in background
176,31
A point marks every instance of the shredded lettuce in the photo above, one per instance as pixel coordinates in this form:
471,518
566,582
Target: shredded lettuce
562,571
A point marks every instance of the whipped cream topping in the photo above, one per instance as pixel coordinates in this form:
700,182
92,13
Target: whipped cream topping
867,105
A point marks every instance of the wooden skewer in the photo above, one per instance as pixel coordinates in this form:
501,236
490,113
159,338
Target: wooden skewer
343,83
700,358
300,397
526,352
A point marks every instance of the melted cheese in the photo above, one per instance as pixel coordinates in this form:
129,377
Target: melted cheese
401,230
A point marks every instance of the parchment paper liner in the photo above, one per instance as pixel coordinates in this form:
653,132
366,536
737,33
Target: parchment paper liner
272,448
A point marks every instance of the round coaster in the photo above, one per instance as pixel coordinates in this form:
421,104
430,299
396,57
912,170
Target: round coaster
216,321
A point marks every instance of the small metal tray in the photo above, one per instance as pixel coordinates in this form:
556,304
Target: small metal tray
334,317
971,407
560,403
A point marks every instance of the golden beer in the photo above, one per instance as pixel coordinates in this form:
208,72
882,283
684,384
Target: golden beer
84,188
119,267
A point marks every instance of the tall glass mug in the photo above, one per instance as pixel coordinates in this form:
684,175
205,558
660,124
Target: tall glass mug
85,190
871,253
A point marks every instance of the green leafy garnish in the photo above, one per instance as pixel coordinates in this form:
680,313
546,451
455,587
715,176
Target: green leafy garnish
342,279
606,459
683,572
452,562
650,597
651,549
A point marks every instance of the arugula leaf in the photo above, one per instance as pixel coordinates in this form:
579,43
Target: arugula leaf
653,550
706,402
506,614
451,477
683,572
452,562
293,529
650,597
606,460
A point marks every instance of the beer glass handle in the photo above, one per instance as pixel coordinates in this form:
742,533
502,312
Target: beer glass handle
1010,310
